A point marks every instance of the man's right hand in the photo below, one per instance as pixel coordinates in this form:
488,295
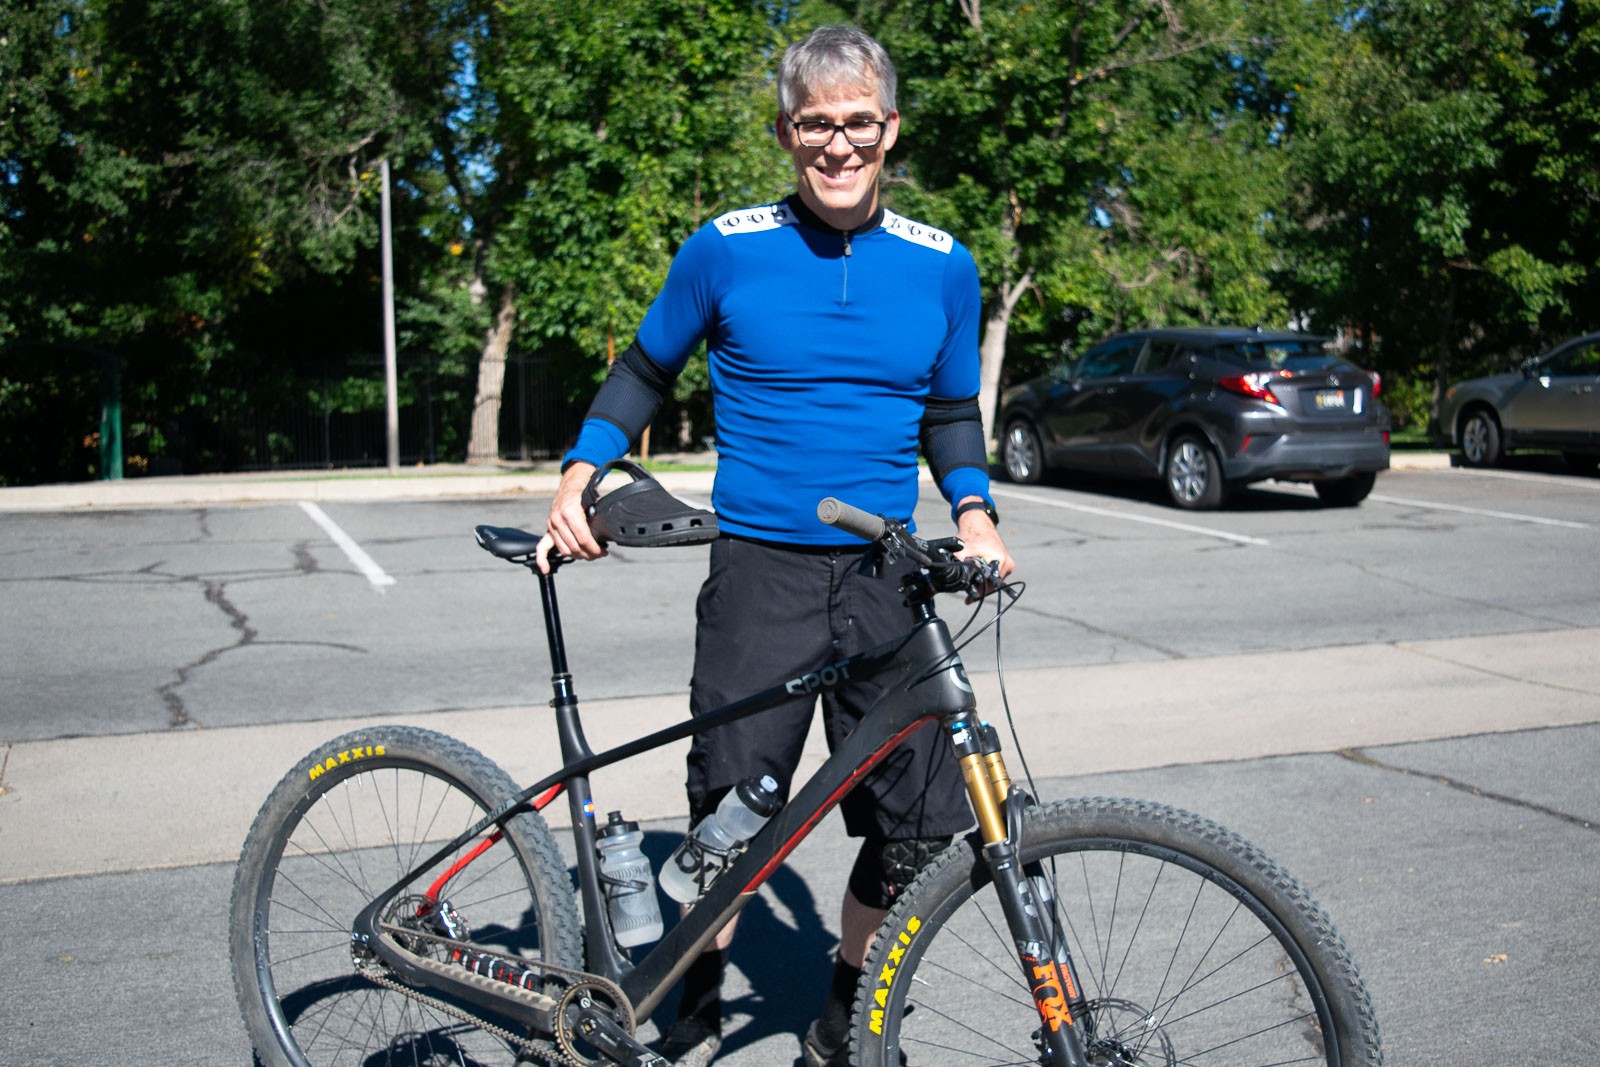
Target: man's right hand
567,529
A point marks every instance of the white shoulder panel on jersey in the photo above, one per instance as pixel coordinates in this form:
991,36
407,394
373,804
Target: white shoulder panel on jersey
756,219
917,233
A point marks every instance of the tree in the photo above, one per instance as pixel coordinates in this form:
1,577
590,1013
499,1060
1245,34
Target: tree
618,129
1449,183
1030,134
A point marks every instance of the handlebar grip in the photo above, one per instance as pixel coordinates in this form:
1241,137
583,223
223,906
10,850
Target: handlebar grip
863,524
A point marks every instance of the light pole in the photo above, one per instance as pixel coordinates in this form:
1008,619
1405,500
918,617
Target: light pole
391,382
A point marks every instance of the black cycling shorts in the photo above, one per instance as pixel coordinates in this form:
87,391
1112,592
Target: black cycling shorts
770,612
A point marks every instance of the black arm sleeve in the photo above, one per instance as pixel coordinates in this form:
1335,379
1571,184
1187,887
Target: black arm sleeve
632,392
952,435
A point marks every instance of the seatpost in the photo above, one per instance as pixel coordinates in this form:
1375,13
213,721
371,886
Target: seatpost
574,746
552,618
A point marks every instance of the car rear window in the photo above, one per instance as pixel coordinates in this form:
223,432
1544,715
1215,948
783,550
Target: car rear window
1279,355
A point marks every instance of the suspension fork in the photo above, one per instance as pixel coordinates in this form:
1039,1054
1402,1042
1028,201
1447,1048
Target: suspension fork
1042,954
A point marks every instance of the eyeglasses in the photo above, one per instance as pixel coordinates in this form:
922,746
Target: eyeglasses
861,133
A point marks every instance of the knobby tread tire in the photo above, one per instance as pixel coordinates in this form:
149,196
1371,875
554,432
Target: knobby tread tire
909,958
452,769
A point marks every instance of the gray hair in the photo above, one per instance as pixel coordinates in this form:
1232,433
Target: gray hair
834,57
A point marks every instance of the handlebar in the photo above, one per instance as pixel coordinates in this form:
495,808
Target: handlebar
950,575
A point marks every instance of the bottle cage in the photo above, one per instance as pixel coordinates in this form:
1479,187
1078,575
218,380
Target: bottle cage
642,514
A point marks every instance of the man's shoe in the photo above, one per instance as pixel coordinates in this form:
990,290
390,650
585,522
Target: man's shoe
816,1055
690,1043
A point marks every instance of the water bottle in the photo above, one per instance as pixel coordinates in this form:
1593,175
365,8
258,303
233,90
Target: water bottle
708,849
629,883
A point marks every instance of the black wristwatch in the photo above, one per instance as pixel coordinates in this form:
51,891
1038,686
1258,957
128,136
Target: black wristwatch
979,505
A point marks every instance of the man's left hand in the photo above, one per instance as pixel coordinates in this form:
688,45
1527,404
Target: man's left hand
980,540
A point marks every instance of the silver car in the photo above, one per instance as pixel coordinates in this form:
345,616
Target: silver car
1551,402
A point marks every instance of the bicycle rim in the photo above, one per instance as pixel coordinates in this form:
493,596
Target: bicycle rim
1191,948
355,832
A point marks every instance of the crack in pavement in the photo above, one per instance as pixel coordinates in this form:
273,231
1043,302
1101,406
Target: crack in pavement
1101,631
216,594
1457,598
1356,755
1480,669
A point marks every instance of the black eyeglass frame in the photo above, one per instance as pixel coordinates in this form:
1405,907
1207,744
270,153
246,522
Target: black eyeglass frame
836,128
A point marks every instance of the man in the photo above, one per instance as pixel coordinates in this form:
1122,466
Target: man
840,337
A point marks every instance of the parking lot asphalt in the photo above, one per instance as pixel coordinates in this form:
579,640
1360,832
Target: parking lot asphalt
1457,850
54,787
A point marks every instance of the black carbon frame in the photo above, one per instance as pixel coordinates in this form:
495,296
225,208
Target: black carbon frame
922,679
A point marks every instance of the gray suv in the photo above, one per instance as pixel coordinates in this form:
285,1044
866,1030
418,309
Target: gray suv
1553,401
1204,409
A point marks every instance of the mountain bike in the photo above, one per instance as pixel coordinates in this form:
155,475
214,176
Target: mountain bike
399,899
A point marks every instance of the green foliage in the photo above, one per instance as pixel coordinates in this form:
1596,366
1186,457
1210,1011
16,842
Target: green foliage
1116,158
1446,167
191,186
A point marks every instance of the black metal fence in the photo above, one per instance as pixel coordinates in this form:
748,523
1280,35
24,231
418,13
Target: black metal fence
50,409
325,430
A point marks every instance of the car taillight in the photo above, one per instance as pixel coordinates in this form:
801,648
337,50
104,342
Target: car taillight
1377,382
1252,385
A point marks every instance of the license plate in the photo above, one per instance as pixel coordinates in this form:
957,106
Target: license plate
1330,400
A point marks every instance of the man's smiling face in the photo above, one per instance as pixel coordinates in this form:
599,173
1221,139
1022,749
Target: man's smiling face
838,180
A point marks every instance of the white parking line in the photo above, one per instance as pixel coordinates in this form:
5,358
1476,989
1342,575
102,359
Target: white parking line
1205,531
1567,481
1511,515
364,563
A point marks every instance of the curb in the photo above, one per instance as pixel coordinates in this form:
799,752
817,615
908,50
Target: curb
415,484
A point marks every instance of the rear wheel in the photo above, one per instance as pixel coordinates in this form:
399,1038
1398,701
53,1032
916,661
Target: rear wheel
1193,474
1480,439
347,823
1345,492
1582,462
1022,454
1190,947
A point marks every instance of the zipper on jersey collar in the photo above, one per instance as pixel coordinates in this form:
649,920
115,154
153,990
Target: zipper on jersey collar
812,219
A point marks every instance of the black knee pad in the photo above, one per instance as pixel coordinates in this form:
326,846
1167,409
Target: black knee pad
884,869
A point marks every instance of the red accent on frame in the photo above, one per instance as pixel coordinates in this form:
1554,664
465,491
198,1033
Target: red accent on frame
459,865
539,803
805,828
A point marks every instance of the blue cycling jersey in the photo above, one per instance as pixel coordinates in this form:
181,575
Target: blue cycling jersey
824,348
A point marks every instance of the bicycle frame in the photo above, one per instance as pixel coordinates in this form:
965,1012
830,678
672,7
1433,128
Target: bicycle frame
922,680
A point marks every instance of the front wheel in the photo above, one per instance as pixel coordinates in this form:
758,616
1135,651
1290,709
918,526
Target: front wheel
1190,945
1480,439
1022,453
343,826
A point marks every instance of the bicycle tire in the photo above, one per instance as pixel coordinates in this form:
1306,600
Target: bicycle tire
341,827
1192,947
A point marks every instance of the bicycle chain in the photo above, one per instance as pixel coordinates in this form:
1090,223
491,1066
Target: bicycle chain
576,980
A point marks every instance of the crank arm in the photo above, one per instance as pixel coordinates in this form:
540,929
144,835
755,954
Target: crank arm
606,1034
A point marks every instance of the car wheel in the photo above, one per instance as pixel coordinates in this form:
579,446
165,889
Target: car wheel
1022,454
1345,492
1480,439
1193,474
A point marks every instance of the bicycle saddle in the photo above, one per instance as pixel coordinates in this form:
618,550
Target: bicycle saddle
642,514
